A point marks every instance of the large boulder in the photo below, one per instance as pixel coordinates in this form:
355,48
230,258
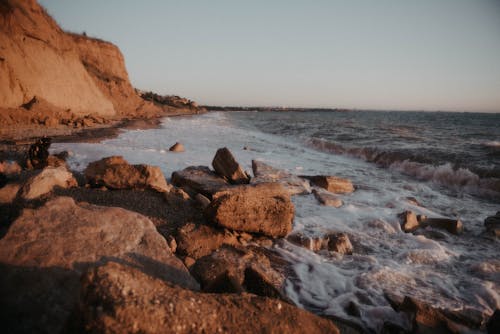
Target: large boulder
120,299
199,179
263,208
332,184
226,166
116,173
263,173
46,181
46,250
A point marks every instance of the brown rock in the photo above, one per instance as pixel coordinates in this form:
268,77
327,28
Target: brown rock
409,222
9,192
177,147
116,173
333,241
339,242
263,173
226,166
38,153
10,168
199,179
453,226
327,198
55,161
45,251
196,241
127,301
202,200
46,181
332,184
263,208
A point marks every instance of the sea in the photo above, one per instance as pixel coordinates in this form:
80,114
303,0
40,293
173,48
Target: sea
447,162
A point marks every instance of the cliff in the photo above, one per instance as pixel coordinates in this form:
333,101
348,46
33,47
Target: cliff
43,67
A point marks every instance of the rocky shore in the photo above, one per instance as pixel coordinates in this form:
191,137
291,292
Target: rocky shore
119,248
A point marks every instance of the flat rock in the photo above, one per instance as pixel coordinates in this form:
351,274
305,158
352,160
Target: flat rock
120,299
45,251
454,226
263,208
116,173
226,166
199,179
177,147
332,184
328,199
46,181
409,221
263,173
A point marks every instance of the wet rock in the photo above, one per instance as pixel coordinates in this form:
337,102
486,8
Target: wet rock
202,200
263,173
339,242
333,241
116,173
454,226
10,168
492,224
38,153
327,198
9,192
409,222
197,241
177,147
46,181
120,299
199,179
40,284
226,166
493,325
264,208
332,184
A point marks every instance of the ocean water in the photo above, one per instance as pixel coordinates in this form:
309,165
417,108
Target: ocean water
449,162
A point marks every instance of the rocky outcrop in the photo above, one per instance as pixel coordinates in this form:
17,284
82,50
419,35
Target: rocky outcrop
46,181
121,299
263,208
332,184
116,173
264,173
199,179
226,166
45,251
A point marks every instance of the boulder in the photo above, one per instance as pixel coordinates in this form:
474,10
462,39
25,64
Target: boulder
263,208
121,299
492,224
454,226
233,270
46,250
8,193
409,222
332,184
327,198
38,153
199,179
116,173
177,147
226,166
333,241
46,181
196,241
263,173
203,201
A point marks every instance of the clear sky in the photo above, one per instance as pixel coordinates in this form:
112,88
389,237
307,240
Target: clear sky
365,54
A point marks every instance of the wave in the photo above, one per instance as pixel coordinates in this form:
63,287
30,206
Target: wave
457,179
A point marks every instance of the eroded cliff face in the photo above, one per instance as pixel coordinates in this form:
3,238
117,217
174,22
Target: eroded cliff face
69,73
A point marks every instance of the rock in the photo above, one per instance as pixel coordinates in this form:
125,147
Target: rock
120,299
492,224
10,168
8,193
197,241
116,173
413,201
263,208
38,153
328,199
493,325
46,181
226,166
51,122
202,200
264,173
333,241
45,251
55,161
332,184
177,147
199,179
409,222
454,226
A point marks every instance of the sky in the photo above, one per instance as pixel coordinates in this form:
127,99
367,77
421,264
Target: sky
358,54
